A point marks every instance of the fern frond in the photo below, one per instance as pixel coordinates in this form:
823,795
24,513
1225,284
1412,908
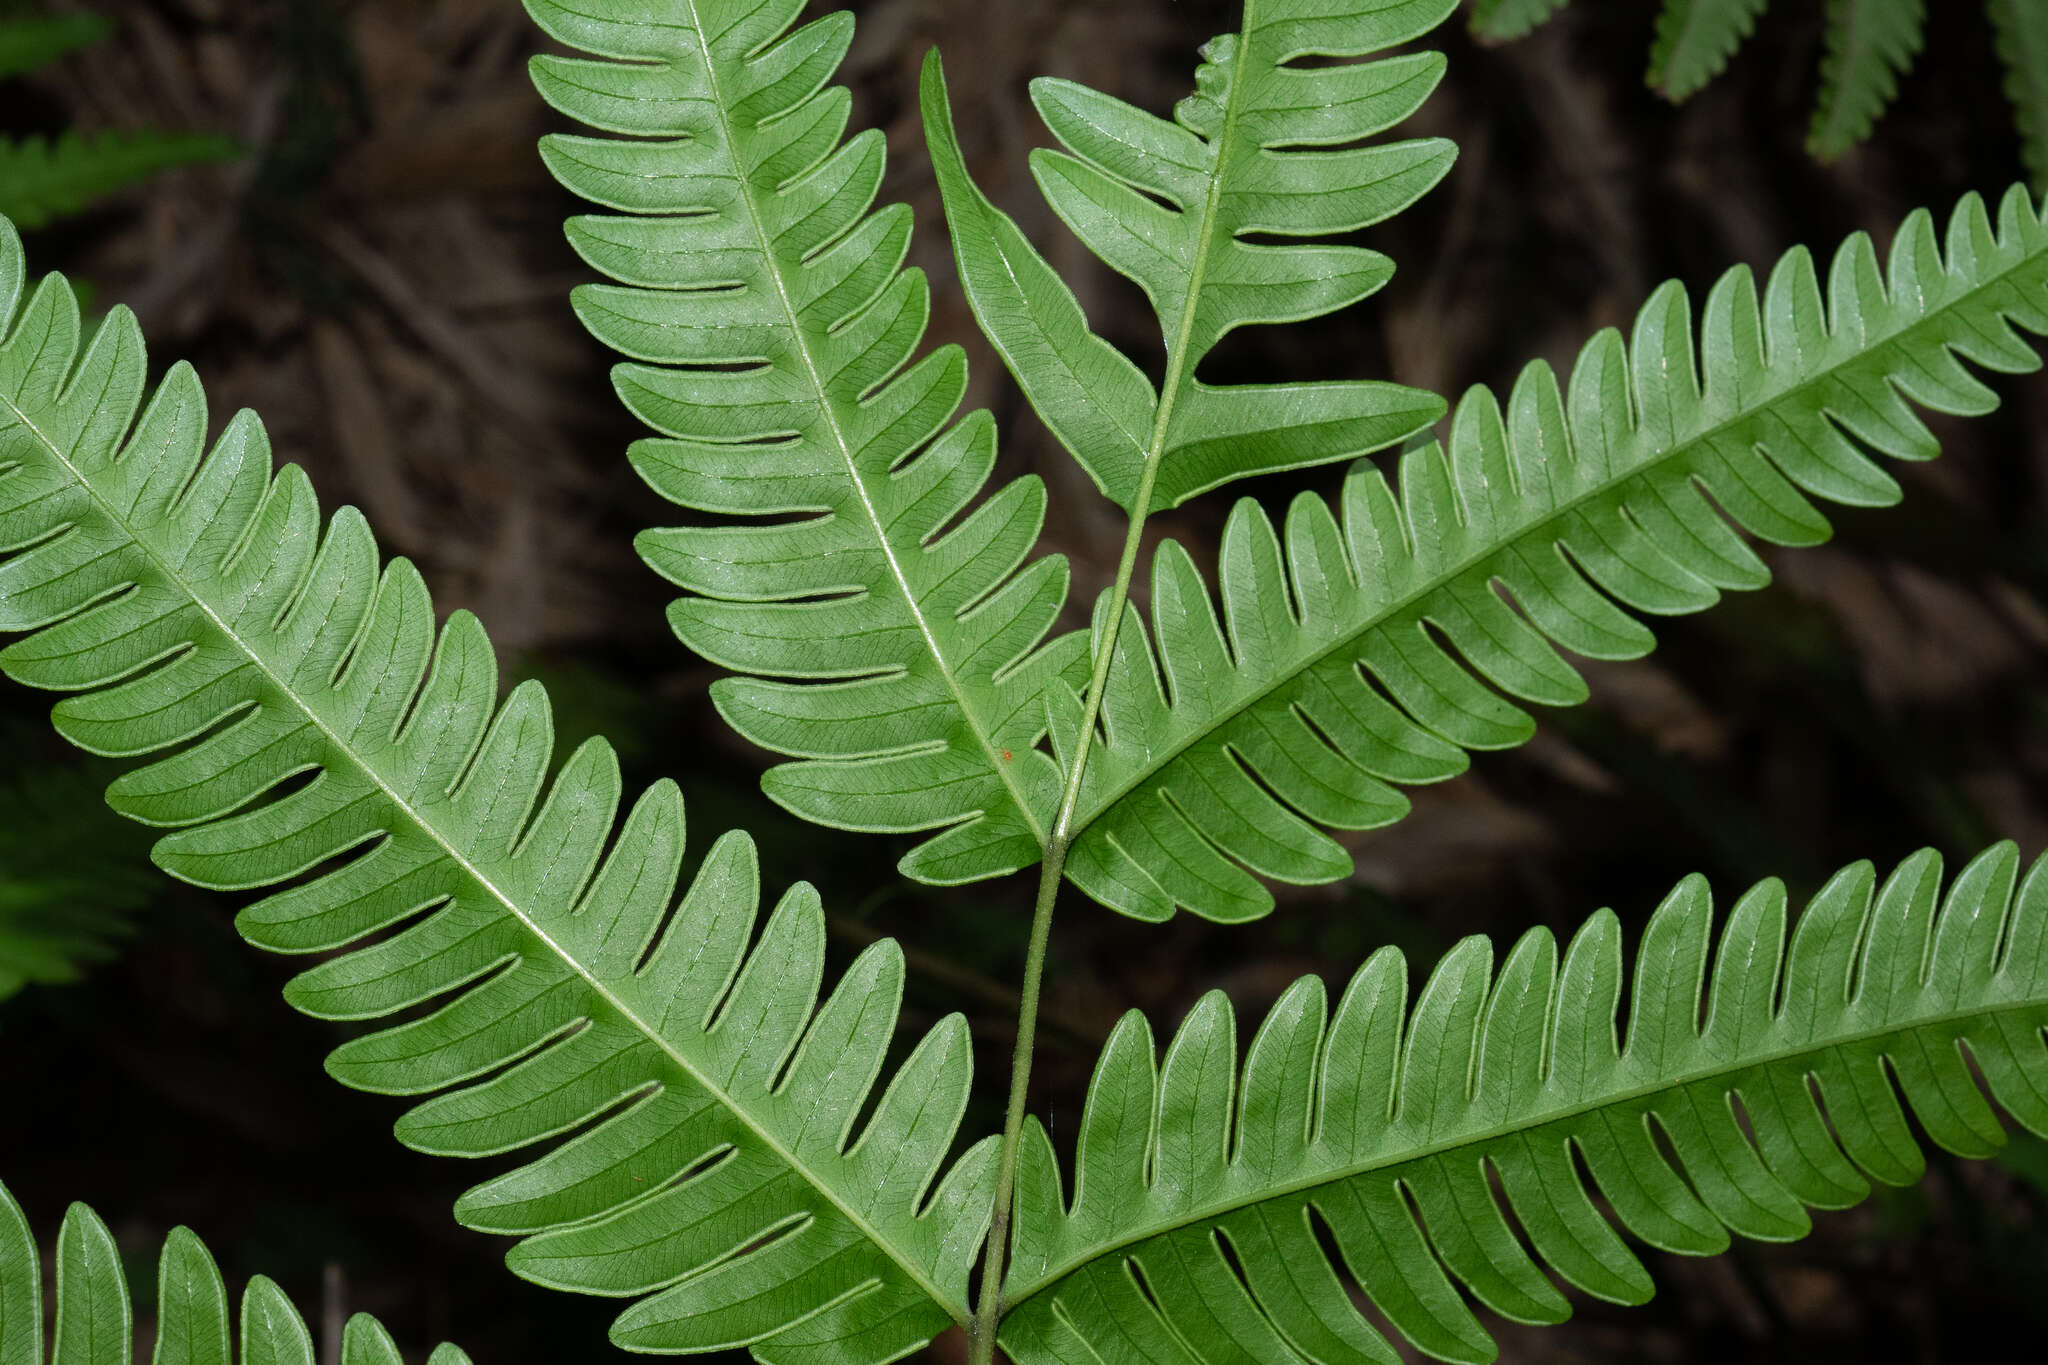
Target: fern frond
1620,485
94,1320
1266,148
2022,31
1695,39
30,42
313,733
1500,20
1772,1070
68,886
891,633
42,179
1870,44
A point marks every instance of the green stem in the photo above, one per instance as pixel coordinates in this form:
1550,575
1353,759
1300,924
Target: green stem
1052,867
989,1305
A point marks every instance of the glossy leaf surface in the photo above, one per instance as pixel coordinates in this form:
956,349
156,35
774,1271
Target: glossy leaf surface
1373,644
309,729
1760,1071
851,566
1214,214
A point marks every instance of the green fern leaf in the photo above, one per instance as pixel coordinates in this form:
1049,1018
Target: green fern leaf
41,179
316,735
1499,20
2022,30
892,636
94,1321
1265,148
1606,479
29,43
1695,39
69,883
1870,43
1772,1069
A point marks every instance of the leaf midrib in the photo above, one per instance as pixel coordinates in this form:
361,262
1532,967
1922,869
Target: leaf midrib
1179,365
1506,1129
1419,596
448,845
989,748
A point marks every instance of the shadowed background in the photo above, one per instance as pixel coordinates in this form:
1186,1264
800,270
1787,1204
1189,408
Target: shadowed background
383,277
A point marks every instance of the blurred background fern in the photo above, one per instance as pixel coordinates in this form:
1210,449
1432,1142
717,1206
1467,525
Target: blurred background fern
43,177
1868,45
72,873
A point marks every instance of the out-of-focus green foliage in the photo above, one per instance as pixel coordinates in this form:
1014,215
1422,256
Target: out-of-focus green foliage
1869,45
44,178
71,875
